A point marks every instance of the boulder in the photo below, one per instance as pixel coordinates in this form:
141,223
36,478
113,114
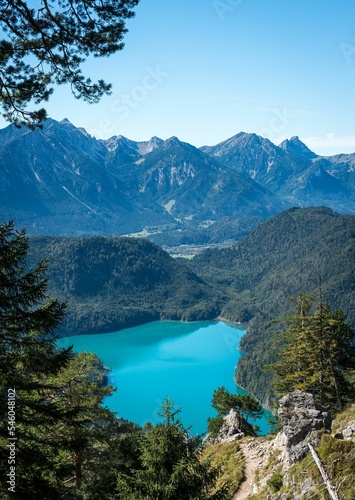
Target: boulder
303,422
234,427
348,432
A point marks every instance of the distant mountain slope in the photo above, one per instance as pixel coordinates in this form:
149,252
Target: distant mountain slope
194,187
292,171
59,180
114,283
341,167
281,258
123,151
53,180
258,158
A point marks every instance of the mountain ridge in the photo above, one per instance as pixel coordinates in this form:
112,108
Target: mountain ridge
59,180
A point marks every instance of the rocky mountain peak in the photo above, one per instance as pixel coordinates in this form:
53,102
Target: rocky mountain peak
145,147
172,141
297,147
65,120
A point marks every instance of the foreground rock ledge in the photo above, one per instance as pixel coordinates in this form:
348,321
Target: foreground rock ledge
303,422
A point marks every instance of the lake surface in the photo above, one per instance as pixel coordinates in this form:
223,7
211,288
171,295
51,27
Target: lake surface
184,361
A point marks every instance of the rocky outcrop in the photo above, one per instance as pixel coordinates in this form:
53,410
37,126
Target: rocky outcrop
348,432
234,427
303,422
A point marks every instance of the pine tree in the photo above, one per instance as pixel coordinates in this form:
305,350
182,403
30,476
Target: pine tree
46,46
294,350
336,356
80,392
315,353
171,468
224,401
28,319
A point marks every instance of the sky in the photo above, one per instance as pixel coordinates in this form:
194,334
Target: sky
205,70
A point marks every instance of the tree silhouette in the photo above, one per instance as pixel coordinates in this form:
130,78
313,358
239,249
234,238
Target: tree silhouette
46,46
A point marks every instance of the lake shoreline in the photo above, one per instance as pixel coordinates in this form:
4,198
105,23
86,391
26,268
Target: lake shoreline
63,333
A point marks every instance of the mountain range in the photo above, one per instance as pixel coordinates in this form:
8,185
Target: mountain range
58,180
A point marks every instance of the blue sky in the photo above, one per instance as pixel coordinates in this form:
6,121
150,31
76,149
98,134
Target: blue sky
204,70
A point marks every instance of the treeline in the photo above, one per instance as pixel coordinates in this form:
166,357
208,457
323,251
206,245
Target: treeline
280,259
113,283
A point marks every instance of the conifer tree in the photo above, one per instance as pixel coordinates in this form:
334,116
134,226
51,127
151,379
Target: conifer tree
224,401
80,392
46,46
315,353
28,319
295,364
171,468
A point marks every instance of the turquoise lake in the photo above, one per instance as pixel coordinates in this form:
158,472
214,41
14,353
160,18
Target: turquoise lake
184,361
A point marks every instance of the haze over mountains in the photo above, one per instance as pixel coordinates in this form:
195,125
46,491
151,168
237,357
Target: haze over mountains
59,180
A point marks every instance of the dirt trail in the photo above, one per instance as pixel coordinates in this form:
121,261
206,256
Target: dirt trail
254,454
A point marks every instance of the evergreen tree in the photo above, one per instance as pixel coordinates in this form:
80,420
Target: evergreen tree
171,468
295,364
315,353
46,46
334,343
116,451
80,392
223,402
28,356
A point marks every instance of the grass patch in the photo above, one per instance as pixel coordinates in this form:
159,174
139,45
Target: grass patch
338,458
275,482
231,460
343,418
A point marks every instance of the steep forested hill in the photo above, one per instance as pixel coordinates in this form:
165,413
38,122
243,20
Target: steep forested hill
113,283
281,258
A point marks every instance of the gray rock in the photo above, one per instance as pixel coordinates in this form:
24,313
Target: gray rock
349,431
233,428
303,422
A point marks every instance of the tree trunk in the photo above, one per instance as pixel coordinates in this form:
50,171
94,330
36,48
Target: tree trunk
77,470
336,386
331,490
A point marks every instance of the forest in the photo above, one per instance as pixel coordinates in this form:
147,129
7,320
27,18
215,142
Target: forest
58,440
114,283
